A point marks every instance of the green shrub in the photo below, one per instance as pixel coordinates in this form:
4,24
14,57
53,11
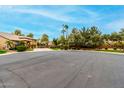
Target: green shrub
106,48
21,48
2,51
12,48
55,48
114,48
65,47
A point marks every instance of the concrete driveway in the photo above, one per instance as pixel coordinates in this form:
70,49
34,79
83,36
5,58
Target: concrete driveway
64,69
42,49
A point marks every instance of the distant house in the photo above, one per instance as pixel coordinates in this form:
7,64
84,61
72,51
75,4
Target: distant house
15,39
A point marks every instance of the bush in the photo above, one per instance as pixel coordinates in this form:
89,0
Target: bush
12,48
65,47
21,48
2,51
106,48
114,48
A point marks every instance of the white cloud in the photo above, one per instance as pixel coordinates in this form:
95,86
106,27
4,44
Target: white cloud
45,13
61,13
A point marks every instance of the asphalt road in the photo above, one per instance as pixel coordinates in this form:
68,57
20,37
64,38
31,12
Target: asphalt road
62,69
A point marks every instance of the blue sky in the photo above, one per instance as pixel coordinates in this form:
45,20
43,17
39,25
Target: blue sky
49,19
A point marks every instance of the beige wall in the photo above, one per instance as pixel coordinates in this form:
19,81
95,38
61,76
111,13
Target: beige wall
2,42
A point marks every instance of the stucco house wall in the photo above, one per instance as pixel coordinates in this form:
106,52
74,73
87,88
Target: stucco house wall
4,37
3,44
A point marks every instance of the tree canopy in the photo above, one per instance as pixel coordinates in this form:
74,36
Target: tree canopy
82,38
90,37
30,35
45,39
17,32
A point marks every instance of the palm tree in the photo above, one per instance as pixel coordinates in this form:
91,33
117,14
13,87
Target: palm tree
30,35
10,44
65,29
17,32
55,41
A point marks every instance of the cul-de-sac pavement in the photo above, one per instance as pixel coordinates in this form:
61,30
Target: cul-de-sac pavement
62,69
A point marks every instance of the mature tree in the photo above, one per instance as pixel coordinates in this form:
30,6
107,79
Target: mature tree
22,34
30,35
95,36
75,39
121,33
17,32
106,37
45,39
115,36
55,41
65,30
92,37
61,40
121,40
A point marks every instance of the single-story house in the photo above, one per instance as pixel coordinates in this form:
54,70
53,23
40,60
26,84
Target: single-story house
15,39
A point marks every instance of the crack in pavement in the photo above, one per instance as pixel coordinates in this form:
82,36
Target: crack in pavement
72,76
75,75
28,86
2,83
89,77
23,61
6,66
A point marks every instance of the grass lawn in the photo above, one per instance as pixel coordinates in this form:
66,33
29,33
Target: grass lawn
55,49
29,49
2,51
117,51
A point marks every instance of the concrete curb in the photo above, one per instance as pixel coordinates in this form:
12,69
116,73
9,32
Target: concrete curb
114,53
8,53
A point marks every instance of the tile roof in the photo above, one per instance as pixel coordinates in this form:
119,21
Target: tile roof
10,36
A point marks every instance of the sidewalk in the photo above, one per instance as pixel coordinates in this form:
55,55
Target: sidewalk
8,53
41,49
35,50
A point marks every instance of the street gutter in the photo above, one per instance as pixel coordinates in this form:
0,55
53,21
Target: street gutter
108,52
8,53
